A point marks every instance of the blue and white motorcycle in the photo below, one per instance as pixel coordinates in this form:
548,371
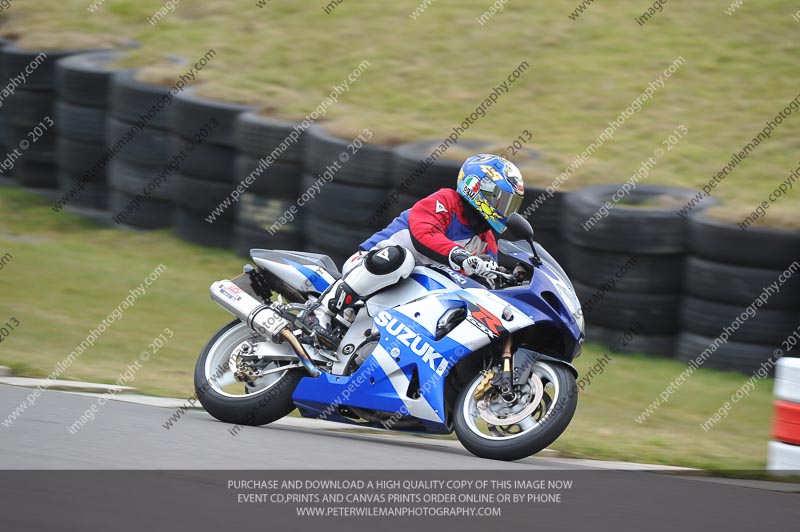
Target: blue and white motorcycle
436,353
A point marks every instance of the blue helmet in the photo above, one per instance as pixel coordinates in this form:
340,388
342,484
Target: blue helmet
493,186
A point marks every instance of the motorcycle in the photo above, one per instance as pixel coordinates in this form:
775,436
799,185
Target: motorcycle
436,353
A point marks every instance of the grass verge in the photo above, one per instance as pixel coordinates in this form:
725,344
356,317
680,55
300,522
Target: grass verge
427,73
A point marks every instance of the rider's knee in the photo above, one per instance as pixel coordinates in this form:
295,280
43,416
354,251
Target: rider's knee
374,271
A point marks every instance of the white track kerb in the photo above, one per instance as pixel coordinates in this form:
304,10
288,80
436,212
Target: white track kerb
320,111
95,333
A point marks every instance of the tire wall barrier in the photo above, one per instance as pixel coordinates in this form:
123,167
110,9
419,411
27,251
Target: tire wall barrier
3,133
202,140
139,141
83,86
30,114
348,179
783,452
732,292
626,262
268,166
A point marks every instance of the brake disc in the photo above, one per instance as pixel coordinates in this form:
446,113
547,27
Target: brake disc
489,403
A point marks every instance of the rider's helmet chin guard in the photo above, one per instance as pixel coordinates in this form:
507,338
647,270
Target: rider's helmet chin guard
493,186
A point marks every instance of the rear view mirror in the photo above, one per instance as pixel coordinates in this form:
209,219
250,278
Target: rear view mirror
519,227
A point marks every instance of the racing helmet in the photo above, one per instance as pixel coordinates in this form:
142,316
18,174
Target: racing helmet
493,186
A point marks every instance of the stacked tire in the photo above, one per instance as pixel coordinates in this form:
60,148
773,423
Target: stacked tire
29,114
202,131
270,163
543,211
342,212
626,266
3,135
138,136
83,87
412,177
783,452
726,281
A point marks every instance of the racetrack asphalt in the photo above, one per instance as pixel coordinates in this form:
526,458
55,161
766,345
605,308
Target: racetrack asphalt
132,436
127,436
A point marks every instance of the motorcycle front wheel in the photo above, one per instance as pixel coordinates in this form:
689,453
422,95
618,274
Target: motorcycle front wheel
265,400
491,427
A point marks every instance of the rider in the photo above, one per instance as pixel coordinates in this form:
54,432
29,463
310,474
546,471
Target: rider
449,227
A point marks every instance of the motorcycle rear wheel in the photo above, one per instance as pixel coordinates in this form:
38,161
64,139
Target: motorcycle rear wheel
552,411
268,400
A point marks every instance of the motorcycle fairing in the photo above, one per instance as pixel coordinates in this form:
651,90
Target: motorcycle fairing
543,302
407,353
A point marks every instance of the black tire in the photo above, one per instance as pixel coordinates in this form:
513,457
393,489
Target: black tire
554,244
133,179
395,206
247,238
34,174
26,108
87,124
133,101
347,204
370,166
628,342
77,158
258,136
41,151
3,131
626,229
530,443
147,146
253,409
3,44
202,196
738,285
331,236
262,212
658,313
207,160
94,194
655,274
191,226
411,174
277,180
192,113
15,60
542,210
152,213
708,318
730,356
85,79
758,247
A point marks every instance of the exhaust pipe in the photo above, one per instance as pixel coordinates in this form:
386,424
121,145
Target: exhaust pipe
261,318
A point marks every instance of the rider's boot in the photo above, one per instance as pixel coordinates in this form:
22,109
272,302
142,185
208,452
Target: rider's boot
365,274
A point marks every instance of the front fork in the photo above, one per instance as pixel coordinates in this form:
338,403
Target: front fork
506,383
504,380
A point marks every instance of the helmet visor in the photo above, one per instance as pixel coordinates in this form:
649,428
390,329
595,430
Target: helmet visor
504,203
